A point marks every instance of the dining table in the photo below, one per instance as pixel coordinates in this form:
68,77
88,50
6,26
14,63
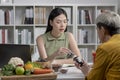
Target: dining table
72,73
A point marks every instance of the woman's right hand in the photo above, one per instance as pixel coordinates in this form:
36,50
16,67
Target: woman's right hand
62,51
85,68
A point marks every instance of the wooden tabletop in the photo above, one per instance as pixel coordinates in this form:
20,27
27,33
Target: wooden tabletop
48,76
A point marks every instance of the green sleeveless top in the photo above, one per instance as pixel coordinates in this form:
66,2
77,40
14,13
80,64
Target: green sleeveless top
52,44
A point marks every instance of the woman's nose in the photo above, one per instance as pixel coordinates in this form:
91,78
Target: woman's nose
63,24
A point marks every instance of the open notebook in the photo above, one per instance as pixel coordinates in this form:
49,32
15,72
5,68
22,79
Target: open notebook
14,50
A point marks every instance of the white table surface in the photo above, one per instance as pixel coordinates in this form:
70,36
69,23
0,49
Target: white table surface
72,74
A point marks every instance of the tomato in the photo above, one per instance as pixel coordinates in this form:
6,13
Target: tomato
41,71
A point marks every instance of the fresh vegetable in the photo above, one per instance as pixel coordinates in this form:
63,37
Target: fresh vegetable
16,66
28,66
16,61
41,71
8,70
19,70
32,65
27,72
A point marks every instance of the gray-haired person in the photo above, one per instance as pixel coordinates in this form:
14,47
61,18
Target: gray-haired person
107,61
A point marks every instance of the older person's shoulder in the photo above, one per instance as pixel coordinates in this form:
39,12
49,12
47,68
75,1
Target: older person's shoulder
109,45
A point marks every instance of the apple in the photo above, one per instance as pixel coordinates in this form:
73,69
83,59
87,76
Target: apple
19,70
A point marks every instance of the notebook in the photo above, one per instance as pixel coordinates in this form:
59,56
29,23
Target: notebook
8,51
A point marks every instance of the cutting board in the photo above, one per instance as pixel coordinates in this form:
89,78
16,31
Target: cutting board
47,76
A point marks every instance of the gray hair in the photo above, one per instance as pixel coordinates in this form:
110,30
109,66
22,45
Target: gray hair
110,21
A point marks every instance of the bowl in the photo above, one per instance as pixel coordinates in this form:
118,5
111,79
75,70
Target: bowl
56,67
63,70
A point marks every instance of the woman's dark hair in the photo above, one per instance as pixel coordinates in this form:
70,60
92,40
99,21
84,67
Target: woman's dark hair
54,13
110,21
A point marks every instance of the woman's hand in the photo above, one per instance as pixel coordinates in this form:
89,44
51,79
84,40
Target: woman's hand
84,68
62,51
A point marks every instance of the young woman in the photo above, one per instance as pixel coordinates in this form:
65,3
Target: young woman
107,61
56,43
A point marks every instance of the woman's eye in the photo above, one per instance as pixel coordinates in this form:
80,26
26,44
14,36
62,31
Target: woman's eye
65,21
58,22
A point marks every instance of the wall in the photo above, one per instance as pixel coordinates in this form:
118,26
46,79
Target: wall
66,1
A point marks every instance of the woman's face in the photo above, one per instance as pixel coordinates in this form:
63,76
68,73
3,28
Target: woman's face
59,23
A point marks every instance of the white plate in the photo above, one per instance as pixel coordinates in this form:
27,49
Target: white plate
68,65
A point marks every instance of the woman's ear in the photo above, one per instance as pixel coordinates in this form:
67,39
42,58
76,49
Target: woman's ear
103,30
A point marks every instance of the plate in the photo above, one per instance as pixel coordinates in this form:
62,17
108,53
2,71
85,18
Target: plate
68,65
